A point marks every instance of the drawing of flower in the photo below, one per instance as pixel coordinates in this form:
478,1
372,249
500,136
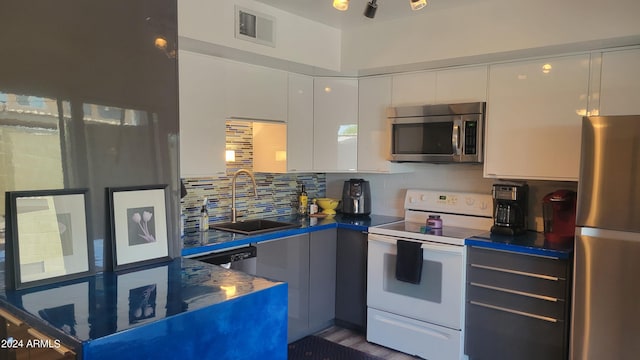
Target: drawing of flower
143,223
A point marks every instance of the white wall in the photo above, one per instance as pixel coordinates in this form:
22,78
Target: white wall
490,29
388,190
298,40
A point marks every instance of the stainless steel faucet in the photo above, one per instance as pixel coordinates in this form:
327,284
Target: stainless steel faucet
233,190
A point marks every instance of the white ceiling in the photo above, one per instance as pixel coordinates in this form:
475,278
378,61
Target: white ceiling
322,10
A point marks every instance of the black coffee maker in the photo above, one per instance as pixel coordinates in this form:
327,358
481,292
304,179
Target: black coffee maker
510,209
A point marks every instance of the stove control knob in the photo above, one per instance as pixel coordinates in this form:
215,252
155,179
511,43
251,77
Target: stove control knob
483,205
412,200
470,201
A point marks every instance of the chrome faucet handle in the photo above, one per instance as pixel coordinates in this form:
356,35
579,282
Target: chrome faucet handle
233,190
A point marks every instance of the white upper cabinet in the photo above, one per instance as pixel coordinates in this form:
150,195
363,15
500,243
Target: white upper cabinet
449,86
414,89
255,92
461,85
335,124
300,124
534,116
374,142
620,83
202,115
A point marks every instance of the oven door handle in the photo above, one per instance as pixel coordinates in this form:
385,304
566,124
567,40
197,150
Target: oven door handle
430,246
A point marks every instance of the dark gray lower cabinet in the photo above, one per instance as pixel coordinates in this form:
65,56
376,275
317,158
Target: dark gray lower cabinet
287,259
518,306
307,263
322,279
351,284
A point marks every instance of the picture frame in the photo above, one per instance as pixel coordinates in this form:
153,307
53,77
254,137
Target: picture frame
48,237
138,226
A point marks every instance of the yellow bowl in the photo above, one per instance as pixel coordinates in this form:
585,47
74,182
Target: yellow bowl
328,205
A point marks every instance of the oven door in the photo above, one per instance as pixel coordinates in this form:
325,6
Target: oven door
437,299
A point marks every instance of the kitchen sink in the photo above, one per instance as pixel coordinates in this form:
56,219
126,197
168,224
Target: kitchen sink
255,226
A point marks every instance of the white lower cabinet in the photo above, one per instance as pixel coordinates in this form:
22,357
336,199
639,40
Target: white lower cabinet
534,117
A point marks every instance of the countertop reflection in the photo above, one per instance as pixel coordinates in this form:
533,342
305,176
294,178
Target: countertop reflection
108,303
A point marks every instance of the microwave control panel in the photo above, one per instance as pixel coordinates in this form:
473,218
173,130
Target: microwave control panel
470,136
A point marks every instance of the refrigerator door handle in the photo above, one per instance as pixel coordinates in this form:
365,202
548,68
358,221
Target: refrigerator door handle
607,234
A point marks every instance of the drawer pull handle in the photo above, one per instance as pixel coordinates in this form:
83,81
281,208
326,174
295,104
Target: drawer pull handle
62,350
538,276
516,312
516,292
12,319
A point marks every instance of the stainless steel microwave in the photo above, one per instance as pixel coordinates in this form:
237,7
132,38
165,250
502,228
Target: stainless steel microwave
437,133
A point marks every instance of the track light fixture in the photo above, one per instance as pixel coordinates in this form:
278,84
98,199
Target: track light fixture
341,5
417,4
372,6
370,10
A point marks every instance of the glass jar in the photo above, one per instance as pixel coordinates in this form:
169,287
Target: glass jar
434,222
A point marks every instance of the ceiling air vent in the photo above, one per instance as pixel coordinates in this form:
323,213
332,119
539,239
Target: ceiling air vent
255,27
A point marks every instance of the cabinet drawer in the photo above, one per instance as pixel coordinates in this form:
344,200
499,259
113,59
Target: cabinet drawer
527,304
532,264
517,281
498,334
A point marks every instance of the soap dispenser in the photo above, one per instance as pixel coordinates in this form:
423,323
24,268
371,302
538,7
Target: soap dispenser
204,216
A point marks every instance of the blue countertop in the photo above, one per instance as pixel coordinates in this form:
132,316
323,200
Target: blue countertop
95,309
213,240
532,243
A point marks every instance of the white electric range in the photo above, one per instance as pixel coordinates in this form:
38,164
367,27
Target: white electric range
425,318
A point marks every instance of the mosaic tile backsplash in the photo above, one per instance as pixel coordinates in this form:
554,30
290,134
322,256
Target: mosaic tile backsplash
277,193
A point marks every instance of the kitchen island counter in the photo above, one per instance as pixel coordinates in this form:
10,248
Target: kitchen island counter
180,309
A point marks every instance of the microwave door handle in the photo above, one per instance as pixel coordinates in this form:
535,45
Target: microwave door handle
455,137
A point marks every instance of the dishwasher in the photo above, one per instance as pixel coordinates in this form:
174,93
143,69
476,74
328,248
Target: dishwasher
240,258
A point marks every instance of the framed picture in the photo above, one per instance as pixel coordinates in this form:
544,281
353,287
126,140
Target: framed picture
138,226
48,237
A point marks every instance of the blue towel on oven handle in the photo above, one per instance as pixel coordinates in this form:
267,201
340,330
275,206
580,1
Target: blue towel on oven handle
409,261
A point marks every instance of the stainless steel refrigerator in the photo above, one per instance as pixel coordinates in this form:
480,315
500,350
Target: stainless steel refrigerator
606,297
